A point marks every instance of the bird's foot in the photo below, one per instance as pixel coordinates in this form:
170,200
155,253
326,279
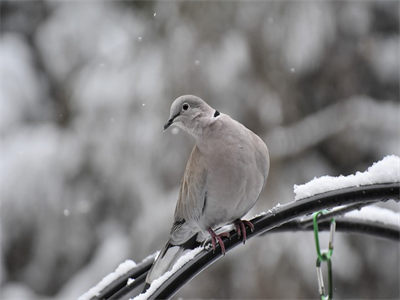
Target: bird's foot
240,226
218,238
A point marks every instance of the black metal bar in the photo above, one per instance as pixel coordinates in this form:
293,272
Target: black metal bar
127,288
363,195
308,221
287,217
345,224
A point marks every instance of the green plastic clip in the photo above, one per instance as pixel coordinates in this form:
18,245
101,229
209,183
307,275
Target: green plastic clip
324,256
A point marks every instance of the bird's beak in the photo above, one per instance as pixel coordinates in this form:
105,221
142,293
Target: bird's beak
170,121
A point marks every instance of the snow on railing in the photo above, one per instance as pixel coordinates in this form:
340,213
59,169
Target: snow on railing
376,214
385,171
121,270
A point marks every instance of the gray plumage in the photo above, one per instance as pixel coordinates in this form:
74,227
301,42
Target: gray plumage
224,176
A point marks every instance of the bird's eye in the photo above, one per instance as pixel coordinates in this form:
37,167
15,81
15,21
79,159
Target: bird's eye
185,106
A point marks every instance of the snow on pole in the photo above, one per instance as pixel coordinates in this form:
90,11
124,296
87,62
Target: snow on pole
385,171
122,269
377,214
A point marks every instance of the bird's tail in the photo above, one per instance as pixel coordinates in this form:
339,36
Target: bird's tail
168,256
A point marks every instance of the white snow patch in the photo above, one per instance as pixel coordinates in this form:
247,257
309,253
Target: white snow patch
272,210
159,281
121,270
385,171
374,213
260,214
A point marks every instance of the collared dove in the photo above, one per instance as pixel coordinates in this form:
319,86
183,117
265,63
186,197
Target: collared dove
224,176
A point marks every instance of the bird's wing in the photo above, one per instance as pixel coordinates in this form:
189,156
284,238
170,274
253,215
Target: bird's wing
192,198
262,155
189,208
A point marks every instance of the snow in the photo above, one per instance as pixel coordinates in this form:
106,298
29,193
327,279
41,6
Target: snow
121,270
260,214
374,213
385,171
179,264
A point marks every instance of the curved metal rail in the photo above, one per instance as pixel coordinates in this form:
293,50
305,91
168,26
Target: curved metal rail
283,218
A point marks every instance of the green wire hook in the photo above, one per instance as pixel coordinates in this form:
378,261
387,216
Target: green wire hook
324,256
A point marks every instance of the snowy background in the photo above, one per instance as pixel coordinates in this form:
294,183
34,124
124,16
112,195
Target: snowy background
88,179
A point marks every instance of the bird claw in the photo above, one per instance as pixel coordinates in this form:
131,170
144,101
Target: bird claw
218,238
240,226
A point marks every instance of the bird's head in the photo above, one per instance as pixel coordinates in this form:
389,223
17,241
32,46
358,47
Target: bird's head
189,113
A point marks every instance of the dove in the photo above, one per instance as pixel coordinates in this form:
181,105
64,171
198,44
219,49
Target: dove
224,176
